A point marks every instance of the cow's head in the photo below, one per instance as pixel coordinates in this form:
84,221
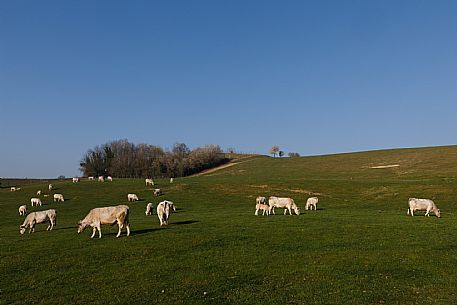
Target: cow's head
81,226
22,229
297,210
438,213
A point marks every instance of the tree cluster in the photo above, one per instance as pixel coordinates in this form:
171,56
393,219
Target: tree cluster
123,159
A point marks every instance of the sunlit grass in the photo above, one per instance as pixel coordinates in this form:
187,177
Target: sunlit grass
359,247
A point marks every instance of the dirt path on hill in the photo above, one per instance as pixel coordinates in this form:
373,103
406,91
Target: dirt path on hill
230,164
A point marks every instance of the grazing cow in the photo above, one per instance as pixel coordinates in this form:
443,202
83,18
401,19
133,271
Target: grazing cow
287,204
90,178
163,211
35,201
38,192
50,187
75,179
106,216
157,192
262,206
132,197
149,208
428,205
259,200
39,217
58,197
109,178
101,179
311,202
22,210
149,182
171,180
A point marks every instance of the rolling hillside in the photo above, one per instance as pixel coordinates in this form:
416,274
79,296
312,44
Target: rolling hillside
359,247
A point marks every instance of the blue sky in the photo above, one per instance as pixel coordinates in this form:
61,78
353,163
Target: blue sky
313,77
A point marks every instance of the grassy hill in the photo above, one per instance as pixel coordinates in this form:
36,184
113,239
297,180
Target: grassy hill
359,247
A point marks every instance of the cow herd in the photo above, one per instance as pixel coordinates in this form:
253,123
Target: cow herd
96,217
120,214
288,204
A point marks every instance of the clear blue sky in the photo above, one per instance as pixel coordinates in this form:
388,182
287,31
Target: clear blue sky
313,77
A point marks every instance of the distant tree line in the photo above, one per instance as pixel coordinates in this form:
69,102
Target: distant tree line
123,159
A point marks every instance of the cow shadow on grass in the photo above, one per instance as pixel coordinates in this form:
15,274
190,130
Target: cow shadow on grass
64,228
144,231
185,222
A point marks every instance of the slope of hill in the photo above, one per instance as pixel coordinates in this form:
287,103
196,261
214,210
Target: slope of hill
359,247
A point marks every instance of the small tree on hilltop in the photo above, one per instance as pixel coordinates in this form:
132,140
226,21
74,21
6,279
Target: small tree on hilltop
292,154
274,150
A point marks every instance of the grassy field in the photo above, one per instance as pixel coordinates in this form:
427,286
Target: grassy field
359,247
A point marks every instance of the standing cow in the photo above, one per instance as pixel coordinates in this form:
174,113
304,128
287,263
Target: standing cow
164,210
426,205
311,202
39,217
106,216
287,204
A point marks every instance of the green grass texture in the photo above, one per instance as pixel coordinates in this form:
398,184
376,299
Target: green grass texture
359,247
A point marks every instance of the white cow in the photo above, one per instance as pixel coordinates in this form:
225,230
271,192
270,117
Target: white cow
38,192
50,187
22,210
90,178
311,202
149,208
157,192
259,200
35,201
149,182
58,197
109,178
13,189
106,216
101,179
75,179
287,204
262,206
132,197
171,180
39,217
163,211
427,205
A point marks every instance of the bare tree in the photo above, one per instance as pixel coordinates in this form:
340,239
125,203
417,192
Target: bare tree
274,150
126,160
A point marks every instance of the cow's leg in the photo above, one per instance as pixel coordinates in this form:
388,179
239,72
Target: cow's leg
94,229
120,228
128,229
99,231
427,213
256,212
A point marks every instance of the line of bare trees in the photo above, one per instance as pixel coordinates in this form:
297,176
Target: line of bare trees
123,159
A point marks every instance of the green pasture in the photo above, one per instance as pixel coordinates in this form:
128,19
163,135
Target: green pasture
359,247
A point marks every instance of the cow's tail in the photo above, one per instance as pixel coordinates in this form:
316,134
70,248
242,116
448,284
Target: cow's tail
126,219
